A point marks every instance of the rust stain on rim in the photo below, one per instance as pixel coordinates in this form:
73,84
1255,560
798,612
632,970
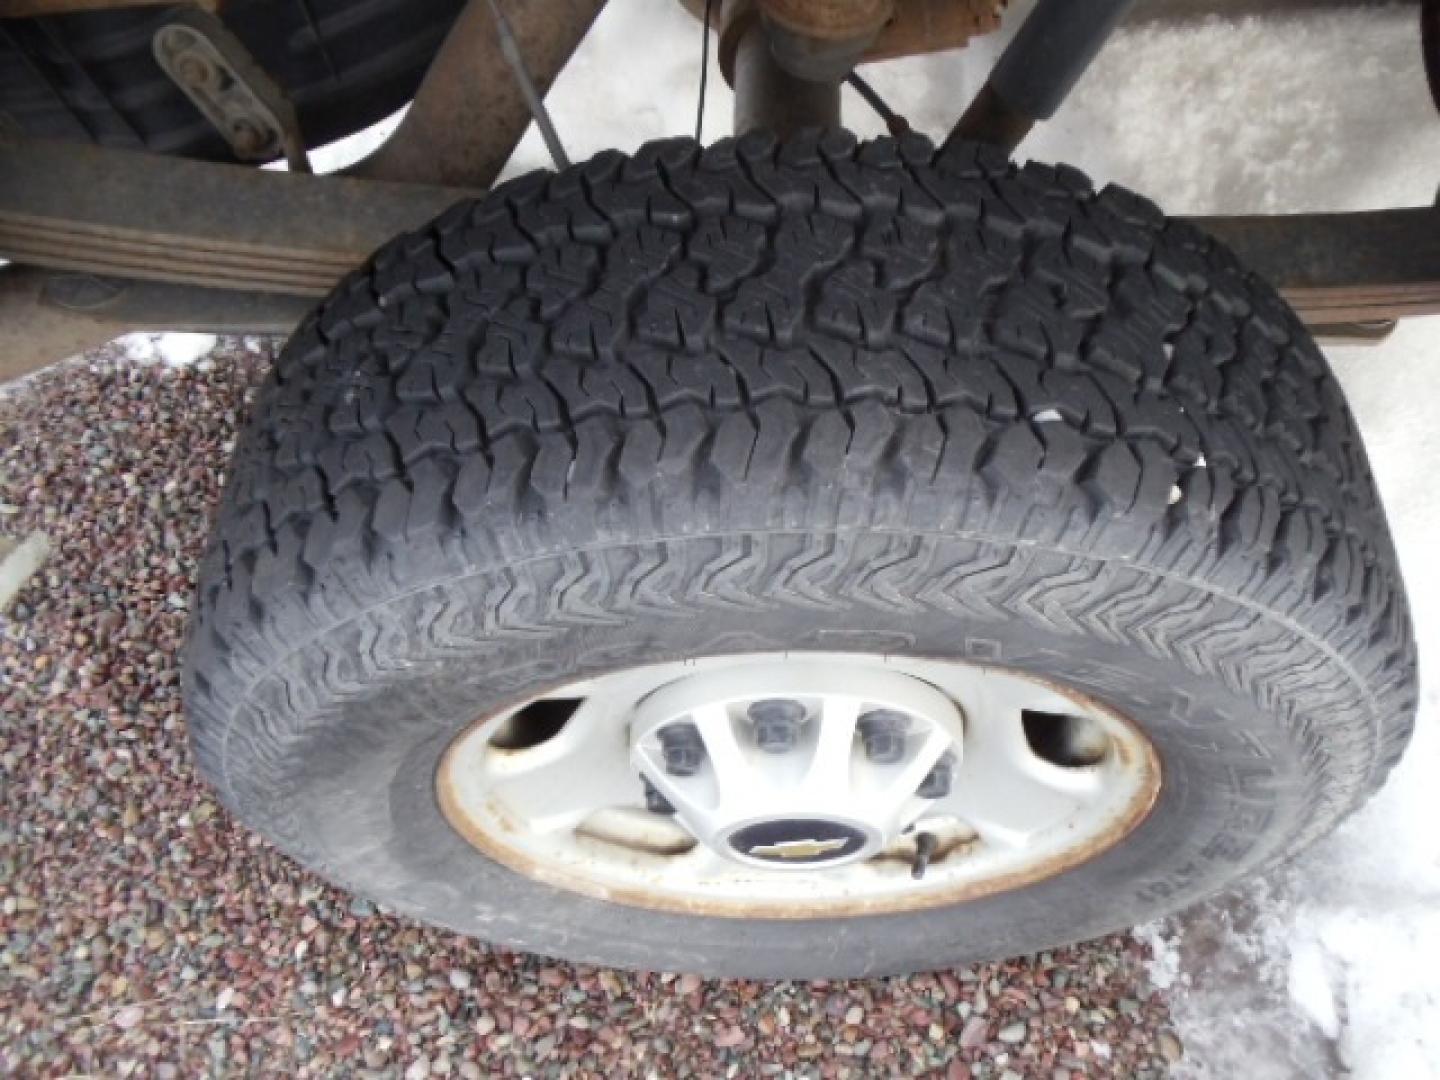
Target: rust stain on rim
1135,812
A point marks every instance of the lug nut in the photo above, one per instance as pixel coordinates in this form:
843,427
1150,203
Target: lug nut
655,802
683,749
936,784
883,733
777,724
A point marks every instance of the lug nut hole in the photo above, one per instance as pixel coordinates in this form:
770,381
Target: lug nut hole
536,723
1071,742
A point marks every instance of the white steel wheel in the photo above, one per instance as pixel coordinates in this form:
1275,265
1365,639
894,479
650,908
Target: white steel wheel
789,786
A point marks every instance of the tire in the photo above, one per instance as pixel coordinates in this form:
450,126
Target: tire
796,397
92,76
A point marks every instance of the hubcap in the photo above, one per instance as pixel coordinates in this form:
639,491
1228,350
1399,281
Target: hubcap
794,785
823,798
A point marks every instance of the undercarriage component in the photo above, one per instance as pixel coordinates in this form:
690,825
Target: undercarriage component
49,314
534,97
1430,42
91,75
768,97
828,20
822,42
469,114
154,218
927,26
1038,68
246,106
1361,267
913,27
894,122
1370,332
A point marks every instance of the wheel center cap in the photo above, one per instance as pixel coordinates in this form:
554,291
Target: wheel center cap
797,841
794,766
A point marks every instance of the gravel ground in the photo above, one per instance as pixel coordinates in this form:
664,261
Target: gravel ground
146,934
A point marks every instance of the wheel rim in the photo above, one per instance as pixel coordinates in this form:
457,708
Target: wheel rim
789,786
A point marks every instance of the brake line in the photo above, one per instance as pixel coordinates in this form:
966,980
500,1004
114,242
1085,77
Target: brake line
704,69
896,123
510,49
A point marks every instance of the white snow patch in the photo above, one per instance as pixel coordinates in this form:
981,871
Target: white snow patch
1311,987
1164,965
173,350
342,153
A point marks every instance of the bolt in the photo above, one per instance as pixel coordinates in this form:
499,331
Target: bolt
247,139
924,848
655,802
683,749
883,733
936,784
777,724
193,69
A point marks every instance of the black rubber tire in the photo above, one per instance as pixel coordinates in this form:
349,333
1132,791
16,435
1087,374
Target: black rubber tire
810,396
92,77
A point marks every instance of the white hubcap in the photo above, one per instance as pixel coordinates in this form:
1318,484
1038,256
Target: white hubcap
820,800
802,784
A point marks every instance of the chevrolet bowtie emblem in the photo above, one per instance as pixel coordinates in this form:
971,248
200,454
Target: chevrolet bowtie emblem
797,849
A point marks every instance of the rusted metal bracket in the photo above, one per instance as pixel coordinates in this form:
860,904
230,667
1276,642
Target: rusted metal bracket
534,98
469,113
243,103
1359,333
771,98
137,215
158,306
46,315
912,26
1367,266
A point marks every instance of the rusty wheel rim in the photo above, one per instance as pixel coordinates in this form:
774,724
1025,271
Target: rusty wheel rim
680,787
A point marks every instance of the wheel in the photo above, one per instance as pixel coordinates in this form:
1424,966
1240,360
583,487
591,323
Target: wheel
798,560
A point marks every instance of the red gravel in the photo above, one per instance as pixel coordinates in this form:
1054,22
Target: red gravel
142,933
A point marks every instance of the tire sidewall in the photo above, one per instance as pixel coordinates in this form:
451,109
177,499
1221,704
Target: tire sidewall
353,793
